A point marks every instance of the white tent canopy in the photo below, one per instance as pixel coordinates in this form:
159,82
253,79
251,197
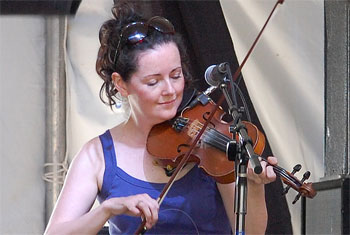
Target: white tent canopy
284,76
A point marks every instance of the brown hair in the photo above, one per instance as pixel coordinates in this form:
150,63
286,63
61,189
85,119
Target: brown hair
124,14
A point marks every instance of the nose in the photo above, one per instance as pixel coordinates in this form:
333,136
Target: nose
168,88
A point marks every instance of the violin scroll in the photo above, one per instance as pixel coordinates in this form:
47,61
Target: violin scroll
303,188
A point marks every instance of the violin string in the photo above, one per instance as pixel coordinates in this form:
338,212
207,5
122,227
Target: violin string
211,136
217,138
284,174
280,171
212,132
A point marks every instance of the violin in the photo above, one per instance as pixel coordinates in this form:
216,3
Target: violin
169,141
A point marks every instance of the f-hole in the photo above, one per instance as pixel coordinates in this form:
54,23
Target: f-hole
205,118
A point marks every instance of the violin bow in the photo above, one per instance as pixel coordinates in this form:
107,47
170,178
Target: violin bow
142,228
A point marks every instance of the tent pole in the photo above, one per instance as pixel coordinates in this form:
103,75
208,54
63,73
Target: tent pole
55,146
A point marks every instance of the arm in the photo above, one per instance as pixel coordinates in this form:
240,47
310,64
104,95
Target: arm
256,218
72,213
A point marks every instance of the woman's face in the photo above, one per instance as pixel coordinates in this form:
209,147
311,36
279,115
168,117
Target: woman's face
155,90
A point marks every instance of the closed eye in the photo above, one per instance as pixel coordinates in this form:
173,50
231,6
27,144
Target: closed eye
177,75
152,82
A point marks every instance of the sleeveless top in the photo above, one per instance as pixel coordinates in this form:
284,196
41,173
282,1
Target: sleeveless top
193,204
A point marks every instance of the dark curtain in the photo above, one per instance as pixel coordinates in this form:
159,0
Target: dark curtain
208,41
36,7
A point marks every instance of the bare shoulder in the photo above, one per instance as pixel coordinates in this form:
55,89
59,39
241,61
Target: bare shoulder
92,151
90,157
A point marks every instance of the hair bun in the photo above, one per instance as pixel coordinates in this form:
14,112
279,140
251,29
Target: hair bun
124,12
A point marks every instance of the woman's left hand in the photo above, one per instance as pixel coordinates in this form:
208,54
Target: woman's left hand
267,175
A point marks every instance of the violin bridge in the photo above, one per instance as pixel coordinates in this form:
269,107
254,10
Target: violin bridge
194,128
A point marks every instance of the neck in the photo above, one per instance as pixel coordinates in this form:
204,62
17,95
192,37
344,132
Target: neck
135,131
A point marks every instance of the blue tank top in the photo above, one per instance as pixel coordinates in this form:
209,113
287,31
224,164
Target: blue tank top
193,204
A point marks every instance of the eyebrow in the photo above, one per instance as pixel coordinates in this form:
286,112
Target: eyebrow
158,74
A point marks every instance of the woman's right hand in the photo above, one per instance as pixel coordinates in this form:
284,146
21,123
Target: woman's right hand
135,205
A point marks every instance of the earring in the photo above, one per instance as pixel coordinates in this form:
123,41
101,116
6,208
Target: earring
118,99
118,104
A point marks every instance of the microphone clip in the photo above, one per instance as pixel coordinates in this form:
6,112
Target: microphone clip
201,98
222,68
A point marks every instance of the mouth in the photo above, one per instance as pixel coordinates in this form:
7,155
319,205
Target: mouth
169,102
172,101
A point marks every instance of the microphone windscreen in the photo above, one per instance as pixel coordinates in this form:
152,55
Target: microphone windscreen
208,76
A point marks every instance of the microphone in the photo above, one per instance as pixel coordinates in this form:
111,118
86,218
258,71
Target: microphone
215,74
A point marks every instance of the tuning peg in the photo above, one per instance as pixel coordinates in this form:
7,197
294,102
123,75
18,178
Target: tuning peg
305,177
296,168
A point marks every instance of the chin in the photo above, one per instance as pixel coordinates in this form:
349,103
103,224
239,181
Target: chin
167,115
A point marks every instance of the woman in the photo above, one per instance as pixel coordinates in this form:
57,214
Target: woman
144,61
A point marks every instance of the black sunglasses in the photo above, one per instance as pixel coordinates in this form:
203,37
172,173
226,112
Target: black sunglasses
136,32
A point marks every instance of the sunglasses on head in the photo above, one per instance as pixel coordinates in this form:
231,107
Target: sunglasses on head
136,32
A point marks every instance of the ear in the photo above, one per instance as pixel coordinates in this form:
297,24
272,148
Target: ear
119,84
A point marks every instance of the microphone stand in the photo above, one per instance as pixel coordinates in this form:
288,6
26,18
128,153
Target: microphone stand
240,151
